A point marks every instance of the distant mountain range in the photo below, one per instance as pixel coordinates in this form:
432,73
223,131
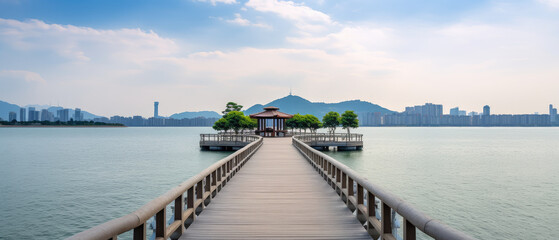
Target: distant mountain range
290,104
206,114
294,104
6,107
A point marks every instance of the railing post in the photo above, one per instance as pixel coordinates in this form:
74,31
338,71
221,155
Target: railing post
179,203
199,190
344,180
386,220
409,230
160,225
140,232
190,201
207,187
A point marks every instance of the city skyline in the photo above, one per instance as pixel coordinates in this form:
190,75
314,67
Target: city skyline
394,54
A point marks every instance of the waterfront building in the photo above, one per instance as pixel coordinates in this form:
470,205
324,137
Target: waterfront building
454,111
78,115
63,114
155,109
12,116
457,112
486,110
552,114
32,115
22,114
47,116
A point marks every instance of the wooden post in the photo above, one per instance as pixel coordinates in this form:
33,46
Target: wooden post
179,206
140,232
409,230
160,225
386,219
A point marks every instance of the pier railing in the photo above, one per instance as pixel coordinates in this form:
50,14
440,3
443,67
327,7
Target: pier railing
360,195
241,138
325,137
190,197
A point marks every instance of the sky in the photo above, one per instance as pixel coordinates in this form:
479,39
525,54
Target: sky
117,57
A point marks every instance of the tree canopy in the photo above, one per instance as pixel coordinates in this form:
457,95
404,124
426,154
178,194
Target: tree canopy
232,106
349,120
235,120
331,121
312,122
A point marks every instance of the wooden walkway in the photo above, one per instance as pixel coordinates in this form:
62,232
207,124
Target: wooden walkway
276,195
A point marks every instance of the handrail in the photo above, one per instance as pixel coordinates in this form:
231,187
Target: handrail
345,180
325,137
199,190
228,138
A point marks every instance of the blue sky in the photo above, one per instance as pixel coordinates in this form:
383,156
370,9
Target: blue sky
117,57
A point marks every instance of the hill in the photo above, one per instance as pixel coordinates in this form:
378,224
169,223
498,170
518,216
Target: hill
5,108
206,114
294,104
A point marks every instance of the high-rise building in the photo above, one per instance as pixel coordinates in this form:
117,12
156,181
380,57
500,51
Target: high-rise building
454,111
63,114
47,116
32,115
486,110
155,109
22,114
552,114
12,116
78,116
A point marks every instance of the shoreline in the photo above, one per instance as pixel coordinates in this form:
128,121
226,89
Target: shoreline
57,126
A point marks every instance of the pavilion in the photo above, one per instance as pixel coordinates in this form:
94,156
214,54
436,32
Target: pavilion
271,122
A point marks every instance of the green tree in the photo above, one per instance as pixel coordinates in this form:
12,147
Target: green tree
291,123
248,123
312,123
235,120
232,106
349,120
298,122
221,125
331,121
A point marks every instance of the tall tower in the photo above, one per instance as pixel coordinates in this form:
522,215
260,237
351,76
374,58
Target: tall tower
155,109
486,110
22,114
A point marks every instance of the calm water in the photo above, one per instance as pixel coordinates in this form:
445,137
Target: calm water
495,183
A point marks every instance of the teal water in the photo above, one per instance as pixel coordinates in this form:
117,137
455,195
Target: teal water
494,183
55,182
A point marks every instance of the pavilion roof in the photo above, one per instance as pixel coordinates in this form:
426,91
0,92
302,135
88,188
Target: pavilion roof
271,112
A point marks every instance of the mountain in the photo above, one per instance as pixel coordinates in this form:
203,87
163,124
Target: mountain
5,108
206,114
294,104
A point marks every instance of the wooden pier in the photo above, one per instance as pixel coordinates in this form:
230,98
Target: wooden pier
277,196
287,190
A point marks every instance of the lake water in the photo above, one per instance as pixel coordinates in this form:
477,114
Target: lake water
493,183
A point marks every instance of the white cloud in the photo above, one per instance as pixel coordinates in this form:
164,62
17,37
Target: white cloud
239,20
214,2
304,17
27,76
83,43
551,3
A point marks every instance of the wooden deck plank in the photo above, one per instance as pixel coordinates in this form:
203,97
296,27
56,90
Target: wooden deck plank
276,195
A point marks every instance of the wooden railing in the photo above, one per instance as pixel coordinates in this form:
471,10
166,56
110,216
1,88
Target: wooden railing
190,197
241,138
360,195
325,137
